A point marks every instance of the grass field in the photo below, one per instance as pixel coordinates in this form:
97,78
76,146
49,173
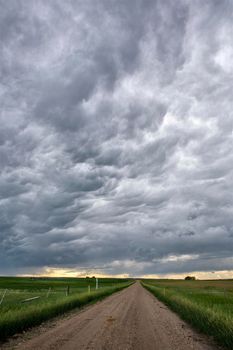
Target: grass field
48,297
207,305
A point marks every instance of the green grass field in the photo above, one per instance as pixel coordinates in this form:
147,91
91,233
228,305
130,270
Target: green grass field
207,305
50,299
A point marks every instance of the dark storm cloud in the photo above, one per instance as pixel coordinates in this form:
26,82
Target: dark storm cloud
116,135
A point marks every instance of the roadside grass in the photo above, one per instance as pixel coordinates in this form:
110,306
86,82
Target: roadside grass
206,305
16,317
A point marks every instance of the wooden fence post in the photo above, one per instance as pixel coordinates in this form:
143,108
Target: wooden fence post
3,296
48,292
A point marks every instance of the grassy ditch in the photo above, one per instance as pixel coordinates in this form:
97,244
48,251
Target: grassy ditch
21,317
209,311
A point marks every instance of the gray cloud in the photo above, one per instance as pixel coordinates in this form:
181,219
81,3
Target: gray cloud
116,136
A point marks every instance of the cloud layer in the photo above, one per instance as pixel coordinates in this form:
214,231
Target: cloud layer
116,136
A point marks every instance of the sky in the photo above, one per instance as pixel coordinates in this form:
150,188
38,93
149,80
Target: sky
116,130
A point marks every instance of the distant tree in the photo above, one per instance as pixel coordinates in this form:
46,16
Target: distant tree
190,278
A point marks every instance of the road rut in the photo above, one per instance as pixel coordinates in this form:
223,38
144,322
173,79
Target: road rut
132,319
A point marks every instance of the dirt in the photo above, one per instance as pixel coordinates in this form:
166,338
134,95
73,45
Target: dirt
132,319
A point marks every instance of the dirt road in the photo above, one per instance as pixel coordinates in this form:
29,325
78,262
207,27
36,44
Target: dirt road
131,319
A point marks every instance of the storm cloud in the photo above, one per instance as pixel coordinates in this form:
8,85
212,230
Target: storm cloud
116,136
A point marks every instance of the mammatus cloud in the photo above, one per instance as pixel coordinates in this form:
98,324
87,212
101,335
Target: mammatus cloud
116,137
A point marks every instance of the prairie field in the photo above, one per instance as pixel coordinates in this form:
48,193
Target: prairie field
207,305
26,302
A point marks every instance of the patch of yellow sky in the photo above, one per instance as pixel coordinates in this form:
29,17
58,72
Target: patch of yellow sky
63,272
201,275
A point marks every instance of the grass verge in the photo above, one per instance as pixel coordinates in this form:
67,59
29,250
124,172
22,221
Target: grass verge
209,320
17,321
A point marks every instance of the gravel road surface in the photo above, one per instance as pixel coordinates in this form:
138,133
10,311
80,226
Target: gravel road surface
132,319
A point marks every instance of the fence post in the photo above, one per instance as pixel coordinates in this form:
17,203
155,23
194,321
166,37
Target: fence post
3,296
67,291
48,292
89,288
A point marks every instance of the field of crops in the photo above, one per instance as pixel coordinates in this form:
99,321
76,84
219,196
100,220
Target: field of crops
26,302
207,305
